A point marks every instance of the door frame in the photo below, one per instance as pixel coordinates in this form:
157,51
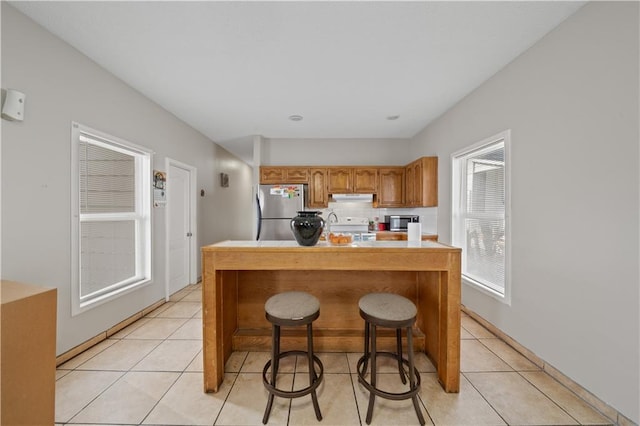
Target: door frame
193,219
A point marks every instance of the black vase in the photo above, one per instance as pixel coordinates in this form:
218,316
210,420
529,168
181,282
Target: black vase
307,227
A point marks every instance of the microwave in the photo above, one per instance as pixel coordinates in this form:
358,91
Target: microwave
399,222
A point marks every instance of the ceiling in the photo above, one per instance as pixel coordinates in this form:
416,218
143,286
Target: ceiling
234,69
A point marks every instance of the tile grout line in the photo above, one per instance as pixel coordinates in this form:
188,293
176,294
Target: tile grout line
296,372
484,398
176,379
542,368
130,370
556,403
474,386
528,381
237,373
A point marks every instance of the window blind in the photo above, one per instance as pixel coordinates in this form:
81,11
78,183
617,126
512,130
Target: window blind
107,179
484,217
107,256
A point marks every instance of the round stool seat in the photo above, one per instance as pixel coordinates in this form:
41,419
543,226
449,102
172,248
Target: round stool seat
392,311
292,305
387,307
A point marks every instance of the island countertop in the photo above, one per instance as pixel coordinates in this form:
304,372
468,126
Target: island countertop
323,245
239,276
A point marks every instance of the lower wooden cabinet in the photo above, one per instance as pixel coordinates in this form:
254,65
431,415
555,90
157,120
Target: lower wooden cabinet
28,353
401,236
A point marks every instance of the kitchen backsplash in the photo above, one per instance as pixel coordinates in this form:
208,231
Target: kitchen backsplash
428,215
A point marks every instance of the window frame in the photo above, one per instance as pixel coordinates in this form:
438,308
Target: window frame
458,188
142,217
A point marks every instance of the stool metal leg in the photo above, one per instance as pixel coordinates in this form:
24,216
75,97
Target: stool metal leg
399,352
312,371
275,357
372,395
275,352
412,380
366,347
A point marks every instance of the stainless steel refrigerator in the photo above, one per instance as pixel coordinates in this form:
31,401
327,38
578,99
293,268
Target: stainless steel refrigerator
277,205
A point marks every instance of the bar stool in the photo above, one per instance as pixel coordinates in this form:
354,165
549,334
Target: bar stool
293,308
391,311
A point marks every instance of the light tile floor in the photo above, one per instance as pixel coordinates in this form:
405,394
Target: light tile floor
150,373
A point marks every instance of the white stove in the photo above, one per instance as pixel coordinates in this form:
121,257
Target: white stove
349,224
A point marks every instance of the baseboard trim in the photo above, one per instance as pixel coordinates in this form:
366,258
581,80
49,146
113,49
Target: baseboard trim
61,359
595,402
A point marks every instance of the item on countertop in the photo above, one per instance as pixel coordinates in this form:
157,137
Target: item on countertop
374,224
307,227
340,239
399,222
366,237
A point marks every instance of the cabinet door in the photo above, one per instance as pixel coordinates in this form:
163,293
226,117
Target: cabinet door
340,180
317,188
409,185
417,183
365,180
272,175
426,182
390,187
296,175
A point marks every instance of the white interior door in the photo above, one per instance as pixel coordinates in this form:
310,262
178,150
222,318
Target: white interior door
180,234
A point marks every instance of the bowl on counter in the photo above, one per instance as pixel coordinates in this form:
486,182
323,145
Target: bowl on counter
340,238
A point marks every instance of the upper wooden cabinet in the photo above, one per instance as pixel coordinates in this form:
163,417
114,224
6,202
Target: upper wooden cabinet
317,188
358,180
339,180
414,185
365,180
421,183
390,187
283,174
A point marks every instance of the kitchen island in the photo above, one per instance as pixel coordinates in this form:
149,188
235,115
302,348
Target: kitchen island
239,276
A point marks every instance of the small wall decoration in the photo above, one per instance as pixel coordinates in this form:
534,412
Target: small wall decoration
159,188
159,179
224,180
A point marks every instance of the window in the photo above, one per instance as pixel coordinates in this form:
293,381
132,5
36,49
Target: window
480,216
111,217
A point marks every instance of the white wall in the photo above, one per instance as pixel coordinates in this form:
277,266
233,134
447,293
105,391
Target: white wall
339,152
62,85
571,102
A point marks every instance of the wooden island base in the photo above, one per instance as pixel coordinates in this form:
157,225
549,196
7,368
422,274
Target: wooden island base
237,281
339,328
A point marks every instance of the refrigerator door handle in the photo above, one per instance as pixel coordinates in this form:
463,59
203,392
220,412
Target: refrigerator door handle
259,217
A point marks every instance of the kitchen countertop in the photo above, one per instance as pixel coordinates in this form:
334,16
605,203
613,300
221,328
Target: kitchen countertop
323,245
